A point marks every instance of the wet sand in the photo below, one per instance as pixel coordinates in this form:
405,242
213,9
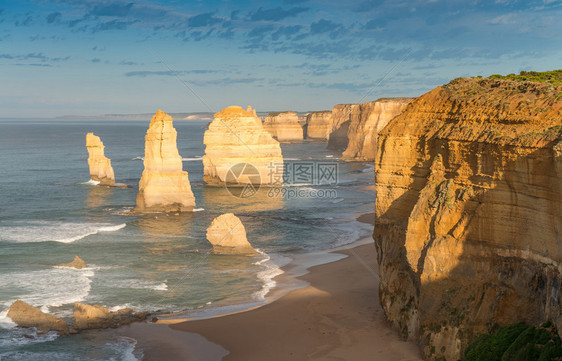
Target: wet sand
336,317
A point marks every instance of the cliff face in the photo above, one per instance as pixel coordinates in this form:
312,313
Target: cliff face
366,121
284,127
339,125
100,166
469,212
319,125
236,136
164,186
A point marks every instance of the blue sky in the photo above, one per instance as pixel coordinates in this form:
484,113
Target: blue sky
95,57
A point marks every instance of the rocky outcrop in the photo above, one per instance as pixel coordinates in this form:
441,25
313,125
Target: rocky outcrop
237,137
228,236
25,315
339,125
93,317
284,126
319,125
77,263
164,185
100,166
366,121
469,212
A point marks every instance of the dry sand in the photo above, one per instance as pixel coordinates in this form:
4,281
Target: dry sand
336,317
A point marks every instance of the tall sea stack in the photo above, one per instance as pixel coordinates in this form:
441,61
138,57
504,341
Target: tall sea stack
100,166
164,186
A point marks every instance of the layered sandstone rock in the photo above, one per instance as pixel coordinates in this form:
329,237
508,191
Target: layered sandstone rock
100,166
284,126
164,186
95,316
76,263
236,138
366,121
319,125
25,315
228,236
339,125
469,212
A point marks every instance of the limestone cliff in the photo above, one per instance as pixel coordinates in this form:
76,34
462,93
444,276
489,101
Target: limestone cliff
319,125
366,121
228,236
164,186
284,126
100,166
236,137
339,125
469,212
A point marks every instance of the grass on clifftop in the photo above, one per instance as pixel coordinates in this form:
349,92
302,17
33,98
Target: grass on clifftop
517,342
552,77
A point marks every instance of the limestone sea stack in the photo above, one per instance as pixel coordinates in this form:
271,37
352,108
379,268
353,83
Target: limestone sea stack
94,316
319,125
469,212
228,236
284,126
234,137
25,315
366,121
100,166
164,185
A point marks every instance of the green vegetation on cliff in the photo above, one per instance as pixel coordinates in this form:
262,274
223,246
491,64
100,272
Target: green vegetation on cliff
517,342
553,76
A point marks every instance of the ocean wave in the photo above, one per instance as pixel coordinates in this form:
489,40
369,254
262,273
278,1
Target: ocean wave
47,288
192,159
91,182
138,158
55,231
143,284
272,270
198,209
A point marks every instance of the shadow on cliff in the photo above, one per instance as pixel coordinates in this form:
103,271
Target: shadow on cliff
478,247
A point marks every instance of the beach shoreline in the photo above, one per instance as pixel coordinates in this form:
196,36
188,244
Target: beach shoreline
337,316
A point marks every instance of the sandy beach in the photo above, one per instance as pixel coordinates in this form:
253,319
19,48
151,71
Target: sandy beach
336,317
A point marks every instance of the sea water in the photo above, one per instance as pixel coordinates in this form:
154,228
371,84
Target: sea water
50,212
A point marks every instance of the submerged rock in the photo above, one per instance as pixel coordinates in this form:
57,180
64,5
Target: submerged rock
25,315
100,166
76,263
228,236
164,185
237,137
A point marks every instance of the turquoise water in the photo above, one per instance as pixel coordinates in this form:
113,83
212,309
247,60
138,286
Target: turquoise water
49,213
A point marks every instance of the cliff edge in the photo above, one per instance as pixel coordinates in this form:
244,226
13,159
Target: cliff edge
469,212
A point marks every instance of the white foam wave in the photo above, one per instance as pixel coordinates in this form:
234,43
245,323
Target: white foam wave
329,156
64,232
198,209
91,182
297,184
144,284
272,270
5,321
47,288
125,347
138,158
191,159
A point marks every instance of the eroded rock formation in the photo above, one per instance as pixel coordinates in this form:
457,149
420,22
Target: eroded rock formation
339,125
284,126
164,185
469,212
25,315
100,166
366,121
319,125
237,137
94,316
228,236
76,263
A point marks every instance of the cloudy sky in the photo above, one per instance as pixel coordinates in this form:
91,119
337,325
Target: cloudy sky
95,57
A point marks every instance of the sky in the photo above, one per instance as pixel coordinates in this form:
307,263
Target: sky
86,57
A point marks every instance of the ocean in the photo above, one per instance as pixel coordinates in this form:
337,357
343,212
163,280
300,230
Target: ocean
50,212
